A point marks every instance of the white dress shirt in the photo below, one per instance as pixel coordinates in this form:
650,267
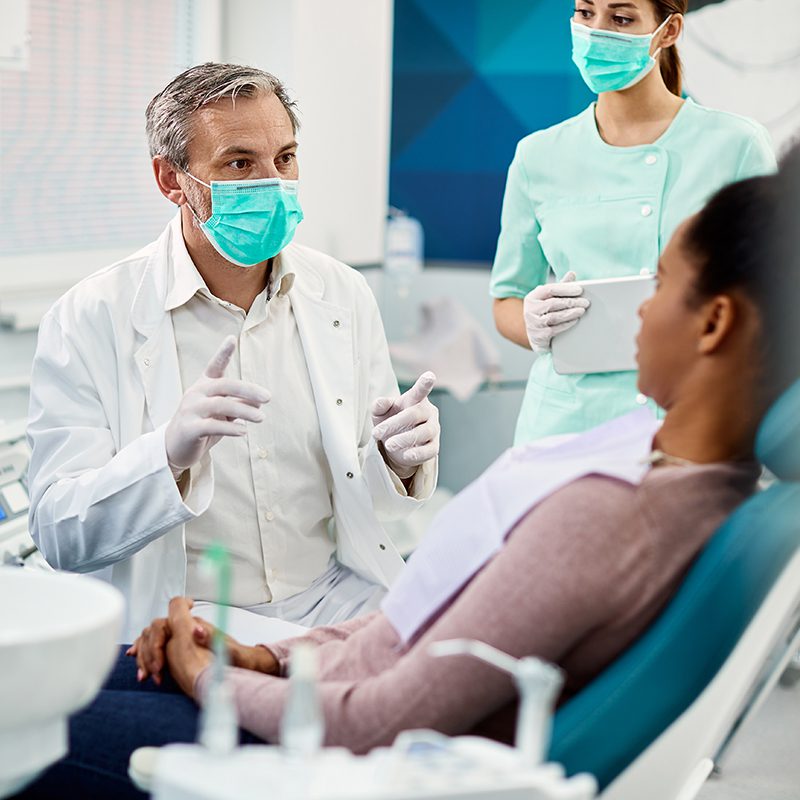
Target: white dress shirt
272,499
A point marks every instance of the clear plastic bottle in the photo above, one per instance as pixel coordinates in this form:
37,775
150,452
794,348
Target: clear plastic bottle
405,247
302,725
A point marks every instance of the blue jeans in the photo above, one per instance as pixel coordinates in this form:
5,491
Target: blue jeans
124,715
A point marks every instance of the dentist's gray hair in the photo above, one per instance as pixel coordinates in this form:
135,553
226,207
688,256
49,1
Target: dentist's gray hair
169,113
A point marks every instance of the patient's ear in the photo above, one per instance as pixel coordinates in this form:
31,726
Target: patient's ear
720,315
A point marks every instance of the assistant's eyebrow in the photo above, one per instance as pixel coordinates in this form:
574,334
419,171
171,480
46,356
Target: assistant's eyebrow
291,146
621,5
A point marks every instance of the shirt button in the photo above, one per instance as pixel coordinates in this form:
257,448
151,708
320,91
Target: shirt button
382,546
336,323
269,516
147,362
262,453
349,474
339,401
641,399
651,159
647,210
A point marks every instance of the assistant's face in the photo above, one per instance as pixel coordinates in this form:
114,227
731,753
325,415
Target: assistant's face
630,16
671,325
245,139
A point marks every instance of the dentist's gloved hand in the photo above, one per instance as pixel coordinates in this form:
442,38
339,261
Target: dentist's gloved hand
552,308
212,407
407,427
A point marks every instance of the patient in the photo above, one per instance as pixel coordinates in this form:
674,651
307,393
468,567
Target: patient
579,575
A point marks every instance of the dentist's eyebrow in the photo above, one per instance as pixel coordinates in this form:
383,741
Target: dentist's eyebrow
236,150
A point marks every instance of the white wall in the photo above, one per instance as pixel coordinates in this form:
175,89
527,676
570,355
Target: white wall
744,56
335,58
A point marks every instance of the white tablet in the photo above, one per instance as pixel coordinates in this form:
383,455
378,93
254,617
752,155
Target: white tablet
604,340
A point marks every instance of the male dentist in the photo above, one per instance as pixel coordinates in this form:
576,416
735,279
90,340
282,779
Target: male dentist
226,384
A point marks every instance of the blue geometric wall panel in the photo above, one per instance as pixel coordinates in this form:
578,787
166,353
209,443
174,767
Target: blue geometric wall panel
470,79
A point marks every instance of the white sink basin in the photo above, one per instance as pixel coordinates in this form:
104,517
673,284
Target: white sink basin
58,635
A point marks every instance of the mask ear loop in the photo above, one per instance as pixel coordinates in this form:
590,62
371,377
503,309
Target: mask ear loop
655,33
197,180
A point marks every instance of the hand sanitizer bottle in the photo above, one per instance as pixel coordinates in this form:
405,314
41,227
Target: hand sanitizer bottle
302,726
402,264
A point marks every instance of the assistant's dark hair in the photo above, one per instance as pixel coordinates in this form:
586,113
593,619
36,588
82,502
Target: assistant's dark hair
747,238
669,61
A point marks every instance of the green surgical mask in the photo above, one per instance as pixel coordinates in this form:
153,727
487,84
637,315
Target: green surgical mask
251,221
611,61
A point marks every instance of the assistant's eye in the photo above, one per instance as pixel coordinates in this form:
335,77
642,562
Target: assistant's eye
583,13
287,159
622,21
239,164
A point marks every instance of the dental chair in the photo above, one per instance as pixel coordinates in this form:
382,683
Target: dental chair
653,724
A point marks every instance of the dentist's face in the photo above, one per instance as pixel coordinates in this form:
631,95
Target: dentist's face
241,139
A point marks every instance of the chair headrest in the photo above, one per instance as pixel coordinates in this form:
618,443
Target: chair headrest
778,438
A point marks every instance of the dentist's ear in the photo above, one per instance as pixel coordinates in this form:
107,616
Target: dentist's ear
166,176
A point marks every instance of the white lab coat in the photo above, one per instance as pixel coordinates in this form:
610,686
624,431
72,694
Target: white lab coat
106,382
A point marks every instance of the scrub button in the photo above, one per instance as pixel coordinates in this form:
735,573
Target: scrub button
647,210
349,474
651,159
339,401
262,453
269,516
641,399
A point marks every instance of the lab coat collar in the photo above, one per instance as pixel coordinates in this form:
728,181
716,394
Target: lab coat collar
184,280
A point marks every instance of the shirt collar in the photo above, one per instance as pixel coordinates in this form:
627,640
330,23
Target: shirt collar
282,277
185,281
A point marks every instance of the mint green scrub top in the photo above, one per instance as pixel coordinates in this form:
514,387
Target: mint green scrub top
574,202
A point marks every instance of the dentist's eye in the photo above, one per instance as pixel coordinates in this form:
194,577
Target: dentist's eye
239,164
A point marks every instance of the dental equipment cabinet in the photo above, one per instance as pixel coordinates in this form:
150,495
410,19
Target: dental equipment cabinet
16,546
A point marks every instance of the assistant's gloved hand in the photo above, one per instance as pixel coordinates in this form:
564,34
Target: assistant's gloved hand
408,427
552,308
212,407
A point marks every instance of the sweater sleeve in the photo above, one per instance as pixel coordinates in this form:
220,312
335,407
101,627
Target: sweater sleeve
317,636
552,584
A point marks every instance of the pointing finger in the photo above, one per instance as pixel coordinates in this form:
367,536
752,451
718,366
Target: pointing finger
419,391
219,363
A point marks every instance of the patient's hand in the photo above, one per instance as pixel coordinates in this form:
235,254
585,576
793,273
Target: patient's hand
150,650
258,659
151,646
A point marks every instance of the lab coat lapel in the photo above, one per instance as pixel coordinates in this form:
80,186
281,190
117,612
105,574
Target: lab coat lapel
326,334
156,356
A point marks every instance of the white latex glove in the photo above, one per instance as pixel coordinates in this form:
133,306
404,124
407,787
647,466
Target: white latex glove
408,427
552,308
212,407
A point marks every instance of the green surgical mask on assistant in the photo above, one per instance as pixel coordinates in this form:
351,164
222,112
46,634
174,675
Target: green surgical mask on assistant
251,221
610,61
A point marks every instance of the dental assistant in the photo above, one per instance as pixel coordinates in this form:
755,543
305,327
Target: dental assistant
600,194
226,384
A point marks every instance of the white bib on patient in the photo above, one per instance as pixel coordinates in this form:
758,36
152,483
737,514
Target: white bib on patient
474,525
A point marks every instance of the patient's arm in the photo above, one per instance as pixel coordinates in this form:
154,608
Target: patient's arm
554,582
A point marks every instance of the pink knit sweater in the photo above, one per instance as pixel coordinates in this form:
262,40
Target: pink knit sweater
579,578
